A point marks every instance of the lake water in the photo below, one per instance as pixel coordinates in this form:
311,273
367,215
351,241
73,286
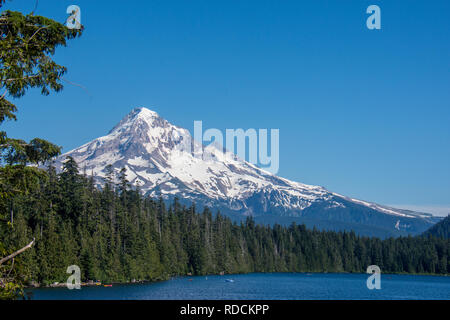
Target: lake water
275,286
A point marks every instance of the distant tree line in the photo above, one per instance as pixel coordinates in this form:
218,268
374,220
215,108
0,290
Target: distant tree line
117,234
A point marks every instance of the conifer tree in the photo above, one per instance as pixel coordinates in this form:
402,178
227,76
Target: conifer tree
26,48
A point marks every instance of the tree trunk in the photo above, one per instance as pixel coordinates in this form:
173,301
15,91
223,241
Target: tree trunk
28,246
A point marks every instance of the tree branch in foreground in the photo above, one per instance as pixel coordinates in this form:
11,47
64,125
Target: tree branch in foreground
3,260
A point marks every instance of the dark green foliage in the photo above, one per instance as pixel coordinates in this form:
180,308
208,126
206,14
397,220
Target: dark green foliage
27,44
116,234
26,48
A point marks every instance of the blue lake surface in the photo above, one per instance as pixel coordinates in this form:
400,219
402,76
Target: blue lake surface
272,286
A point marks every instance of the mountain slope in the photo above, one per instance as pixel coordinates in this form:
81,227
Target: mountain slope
164,161
440,229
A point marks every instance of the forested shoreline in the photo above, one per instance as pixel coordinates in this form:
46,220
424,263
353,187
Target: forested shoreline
118,235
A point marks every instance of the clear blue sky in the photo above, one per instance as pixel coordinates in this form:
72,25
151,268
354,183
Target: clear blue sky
363,113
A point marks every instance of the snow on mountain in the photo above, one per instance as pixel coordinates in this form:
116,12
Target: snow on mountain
154,153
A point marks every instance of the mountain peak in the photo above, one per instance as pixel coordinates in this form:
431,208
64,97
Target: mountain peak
139,116
144,113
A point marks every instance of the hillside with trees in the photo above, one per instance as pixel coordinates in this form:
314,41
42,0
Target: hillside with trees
118,235
440,229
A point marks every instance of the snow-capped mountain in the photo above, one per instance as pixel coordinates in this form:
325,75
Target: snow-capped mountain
164,161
